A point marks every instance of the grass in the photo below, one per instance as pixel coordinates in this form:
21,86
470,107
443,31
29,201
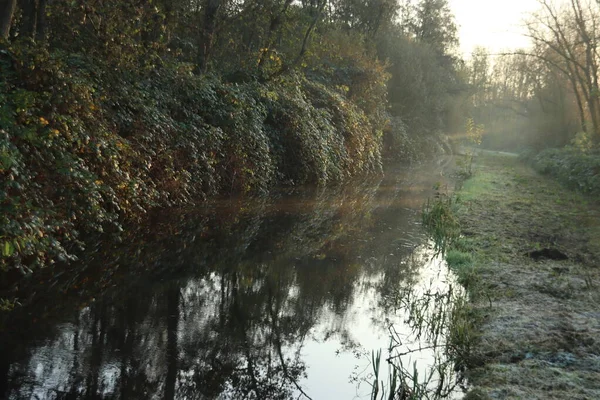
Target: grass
462,264
479,184
440,221
525,329
542,311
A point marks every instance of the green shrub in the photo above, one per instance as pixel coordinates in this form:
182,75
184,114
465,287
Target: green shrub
572,166
85,148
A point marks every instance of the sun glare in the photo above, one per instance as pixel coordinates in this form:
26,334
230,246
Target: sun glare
495,25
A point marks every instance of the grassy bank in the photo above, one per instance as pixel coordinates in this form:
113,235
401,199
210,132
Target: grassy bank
528,254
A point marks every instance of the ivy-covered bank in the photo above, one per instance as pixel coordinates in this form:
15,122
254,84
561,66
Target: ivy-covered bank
111,109
83,149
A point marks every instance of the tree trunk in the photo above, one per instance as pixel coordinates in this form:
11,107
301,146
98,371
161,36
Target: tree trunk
7,9
207,36
29,23
580,108
40,29
586,29
274,25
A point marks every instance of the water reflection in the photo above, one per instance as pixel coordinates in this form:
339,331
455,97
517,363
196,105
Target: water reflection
275,299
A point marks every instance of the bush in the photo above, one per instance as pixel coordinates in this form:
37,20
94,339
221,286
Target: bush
84,148
573,167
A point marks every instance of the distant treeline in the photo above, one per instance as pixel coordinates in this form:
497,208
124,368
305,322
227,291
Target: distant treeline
110,108
544,102
547,95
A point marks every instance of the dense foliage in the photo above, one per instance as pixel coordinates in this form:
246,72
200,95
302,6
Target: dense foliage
85,152
577,169
110,109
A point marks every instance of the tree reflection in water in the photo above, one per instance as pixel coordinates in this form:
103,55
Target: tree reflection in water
222,303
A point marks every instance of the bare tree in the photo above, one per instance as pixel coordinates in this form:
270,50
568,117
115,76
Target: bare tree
567,39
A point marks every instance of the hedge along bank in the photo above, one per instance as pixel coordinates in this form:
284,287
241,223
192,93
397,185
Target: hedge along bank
85,149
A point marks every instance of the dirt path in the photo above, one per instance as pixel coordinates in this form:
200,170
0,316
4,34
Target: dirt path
537,252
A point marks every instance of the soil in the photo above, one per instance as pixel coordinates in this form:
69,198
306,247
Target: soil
537,251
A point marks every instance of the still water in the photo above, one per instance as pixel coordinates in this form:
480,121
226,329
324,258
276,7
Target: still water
284,298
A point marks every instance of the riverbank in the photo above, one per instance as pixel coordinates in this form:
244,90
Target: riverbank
535,251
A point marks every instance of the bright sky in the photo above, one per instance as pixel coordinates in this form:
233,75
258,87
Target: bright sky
494,24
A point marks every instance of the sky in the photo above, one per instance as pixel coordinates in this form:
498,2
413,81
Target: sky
494,24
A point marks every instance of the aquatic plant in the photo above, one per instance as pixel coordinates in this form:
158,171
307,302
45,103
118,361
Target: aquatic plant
439,219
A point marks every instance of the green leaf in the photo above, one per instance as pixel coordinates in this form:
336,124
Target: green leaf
8,249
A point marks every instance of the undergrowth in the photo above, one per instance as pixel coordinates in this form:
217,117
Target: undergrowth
575,167
85,149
